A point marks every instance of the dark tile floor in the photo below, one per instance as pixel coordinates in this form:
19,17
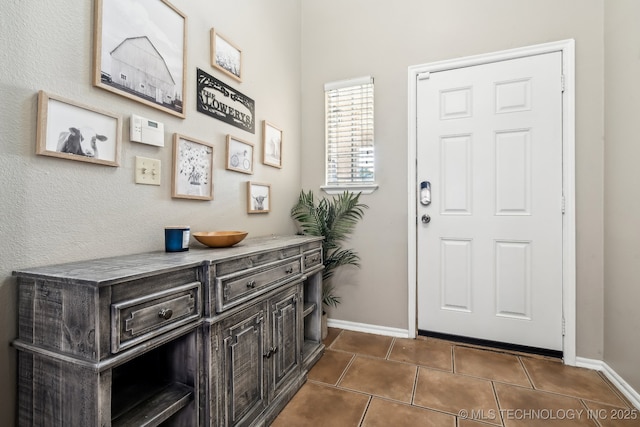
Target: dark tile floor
366,380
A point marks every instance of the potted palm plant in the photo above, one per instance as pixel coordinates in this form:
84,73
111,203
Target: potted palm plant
334,219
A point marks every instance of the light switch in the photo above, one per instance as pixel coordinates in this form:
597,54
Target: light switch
147,171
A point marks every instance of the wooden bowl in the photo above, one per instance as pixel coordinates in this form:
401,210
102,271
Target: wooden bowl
219,239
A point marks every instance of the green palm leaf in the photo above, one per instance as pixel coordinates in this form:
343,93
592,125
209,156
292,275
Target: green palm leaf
334,219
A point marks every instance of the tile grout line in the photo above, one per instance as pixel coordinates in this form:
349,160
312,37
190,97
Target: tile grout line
453,359
346,368
586,407
366,409
415,386
615,390
390,349
495,396
526,372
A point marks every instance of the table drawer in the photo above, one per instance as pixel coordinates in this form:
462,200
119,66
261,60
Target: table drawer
234,289
312,259
256,260
142,318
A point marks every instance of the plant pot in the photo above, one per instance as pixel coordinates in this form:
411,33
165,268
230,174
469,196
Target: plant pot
325,328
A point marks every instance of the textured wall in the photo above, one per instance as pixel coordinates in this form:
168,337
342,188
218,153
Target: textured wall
622,204
57,210
359,37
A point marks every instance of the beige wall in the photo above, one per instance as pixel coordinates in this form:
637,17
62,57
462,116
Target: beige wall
55,210
622,201
343,39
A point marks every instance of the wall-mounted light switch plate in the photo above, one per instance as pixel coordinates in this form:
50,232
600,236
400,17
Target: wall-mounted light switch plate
147,171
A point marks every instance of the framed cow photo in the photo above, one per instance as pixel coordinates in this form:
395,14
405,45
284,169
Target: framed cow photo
69,130
140,52
258,197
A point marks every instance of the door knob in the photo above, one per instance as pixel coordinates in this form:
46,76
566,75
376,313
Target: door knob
426,219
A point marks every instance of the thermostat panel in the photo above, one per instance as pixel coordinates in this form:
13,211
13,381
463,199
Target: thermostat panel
146,131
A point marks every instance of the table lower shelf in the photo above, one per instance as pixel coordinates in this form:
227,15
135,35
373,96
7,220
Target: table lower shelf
156,406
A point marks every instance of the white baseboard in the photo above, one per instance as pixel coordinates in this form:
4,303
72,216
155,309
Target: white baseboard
370,329
621,384
582,362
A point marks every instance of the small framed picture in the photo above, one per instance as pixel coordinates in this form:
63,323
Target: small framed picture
258,197
239,155
226,56
271,145
192,169
140,52
69,130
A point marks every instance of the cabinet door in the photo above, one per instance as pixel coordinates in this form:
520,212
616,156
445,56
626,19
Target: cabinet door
286,337
243,338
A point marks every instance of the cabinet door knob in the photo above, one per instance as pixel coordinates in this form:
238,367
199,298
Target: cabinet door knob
251,284
272,350
165,313
289,270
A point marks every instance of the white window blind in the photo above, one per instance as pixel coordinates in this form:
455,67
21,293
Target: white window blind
349,133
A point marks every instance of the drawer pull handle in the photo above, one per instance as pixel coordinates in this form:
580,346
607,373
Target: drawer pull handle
289,270
165,313
251,284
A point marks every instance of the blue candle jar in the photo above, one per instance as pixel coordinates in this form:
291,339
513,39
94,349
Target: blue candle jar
176,239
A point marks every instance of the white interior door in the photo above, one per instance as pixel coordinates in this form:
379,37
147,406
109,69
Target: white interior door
489,141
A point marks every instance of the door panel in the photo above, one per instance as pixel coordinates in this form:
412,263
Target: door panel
490,259
285,316
243,337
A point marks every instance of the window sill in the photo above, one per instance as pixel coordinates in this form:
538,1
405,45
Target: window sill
338,189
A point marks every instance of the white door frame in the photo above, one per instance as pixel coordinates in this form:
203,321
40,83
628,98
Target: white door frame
567,47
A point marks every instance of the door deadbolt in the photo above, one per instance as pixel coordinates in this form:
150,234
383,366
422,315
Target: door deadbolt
426,219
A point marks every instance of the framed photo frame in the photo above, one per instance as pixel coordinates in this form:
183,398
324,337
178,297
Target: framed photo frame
258,197
239,155
70,130
192,176
140,52
271,145
226,56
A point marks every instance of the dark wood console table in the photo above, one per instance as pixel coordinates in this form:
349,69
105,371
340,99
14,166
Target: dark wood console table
207,337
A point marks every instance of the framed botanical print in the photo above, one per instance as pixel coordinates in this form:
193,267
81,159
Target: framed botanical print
192,169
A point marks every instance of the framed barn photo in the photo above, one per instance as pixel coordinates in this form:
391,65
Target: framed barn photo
192,169
258,197
226,56
69,130
140,52
271,145
239,155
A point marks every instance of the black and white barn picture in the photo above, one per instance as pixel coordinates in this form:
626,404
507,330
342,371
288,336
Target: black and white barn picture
73,131
221,101
140,50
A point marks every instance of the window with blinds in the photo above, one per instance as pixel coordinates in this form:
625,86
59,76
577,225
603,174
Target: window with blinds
349,133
